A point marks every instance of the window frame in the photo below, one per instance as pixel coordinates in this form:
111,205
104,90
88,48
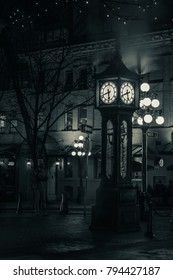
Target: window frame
2,121
69,79
68,116
13,126
82,120
83,81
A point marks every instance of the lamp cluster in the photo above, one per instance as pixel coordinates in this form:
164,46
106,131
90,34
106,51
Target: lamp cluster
28,162
148,108
80,147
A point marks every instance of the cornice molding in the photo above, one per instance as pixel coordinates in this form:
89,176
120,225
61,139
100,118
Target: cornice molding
147,40
153,39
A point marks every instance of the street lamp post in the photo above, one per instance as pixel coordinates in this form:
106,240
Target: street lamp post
144,117
82,148
144,159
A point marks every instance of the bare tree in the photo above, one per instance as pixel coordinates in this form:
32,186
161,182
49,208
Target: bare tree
41,99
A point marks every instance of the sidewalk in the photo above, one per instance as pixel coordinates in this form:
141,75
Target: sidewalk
52,206
27,236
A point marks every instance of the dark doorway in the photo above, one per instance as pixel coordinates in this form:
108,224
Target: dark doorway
7,178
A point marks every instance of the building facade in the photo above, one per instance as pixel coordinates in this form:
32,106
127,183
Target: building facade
151,56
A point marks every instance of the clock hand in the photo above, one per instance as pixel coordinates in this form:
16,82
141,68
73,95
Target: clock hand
126,93
108,92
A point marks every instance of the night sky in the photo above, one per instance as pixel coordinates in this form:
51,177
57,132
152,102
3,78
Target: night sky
157,14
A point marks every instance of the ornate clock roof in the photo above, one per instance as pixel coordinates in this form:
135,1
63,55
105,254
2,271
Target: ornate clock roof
117,69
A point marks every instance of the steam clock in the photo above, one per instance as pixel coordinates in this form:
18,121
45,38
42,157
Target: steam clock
117,97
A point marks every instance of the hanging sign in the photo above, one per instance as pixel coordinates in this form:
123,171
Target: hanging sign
152,134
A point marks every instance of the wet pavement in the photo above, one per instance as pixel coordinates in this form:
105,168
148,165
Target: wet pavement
28,236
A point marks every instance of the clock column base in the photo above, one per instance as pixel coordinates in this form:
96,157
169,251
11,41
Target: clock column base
115,210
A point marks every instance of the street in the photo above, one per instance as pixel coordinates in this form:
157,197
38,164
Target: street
27,236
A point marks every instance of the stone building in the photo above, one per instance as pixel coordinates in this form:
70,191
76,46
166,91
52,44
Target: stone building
149,54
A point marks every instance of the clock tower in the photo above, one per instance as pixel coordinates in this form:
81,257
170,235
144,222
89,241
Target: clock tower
117,97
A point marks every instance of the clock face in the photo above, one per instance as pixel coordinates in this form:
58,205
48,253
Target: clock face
108,92
127,93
